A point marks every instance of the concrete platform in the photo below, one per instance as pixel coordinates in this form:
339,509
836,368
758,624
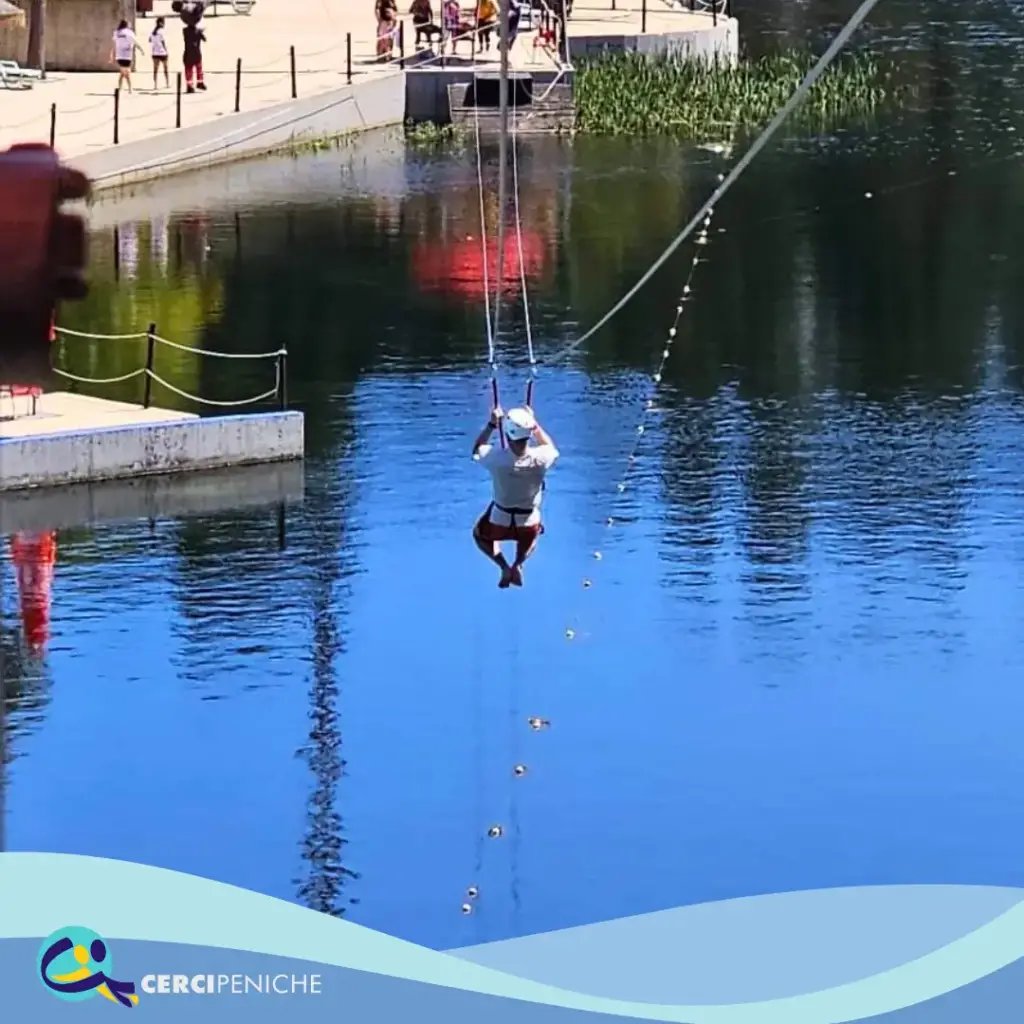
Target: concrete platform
78,439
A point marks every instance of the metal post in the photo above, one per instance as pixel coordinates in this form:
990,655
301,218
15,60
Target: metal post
177,101
53,124
714,12
42,39
281,531
238,85
401,45
117,114
282,380
295,86
643,15
147,393
348,57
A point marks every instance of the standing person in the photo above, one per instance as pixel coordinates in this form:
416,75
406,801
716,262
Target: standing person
193,58
517,474
158,48
515,13
387,22
123,52
486,18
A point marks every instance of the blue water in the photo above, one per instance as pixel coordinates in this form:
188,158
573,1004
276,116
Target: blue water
796,664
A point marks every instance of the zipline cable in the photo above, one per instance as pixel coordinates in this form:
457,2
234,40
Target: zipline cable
502,155
762,140
483,247
519,248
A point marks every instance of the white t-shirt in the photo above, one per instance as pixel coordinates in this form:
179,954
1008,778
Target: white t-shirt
124,44
518,481
157,43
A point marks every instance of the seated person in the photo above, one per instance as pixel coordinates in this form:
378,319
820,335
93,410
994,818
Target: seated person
423,21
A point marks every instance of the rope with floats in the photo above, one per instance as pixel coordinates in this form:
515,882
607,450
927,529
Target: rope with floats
798,96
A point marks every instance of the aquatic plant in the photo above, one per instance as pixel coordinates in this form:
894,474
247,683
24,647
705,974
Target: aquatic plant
428,135
701,99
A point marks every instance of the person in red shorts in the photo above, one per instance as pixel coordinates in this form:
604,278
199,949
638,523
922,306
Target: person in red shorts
517,473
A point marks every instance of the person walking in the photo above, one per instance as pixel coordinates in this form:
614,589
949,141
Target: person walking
192,58
386,12
158,49
123,53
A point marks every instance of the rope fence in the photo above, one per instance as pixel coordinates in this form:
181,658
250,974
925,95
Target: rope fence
149,374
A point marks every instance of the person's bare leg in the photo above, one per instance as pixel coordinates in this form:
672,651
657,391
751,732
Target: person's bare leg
524,548
493,551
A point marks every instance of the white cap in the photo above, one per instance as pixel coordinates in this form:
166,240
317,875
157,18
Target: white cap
519,424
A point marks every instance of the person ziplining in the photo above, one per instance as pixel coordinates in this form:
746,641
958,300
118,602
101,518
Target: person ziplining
517,475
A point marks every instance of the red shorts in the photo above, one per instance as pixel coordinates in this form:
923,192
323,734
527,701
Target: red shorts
492,532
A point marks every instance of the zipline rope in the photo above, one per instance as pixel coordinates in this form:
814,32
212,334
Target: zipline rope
762,140
491,360
519,248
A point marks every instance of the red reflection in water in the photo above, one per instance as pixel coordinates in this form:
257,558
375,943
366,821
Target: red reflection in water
457,268
34,556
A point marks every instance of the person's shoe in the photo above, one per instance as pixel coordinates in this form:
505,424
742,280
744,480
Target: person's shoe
506,578
201,87
190,89
517,576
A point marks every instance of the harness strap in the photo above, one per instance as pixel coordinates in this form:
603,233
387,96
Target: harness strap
512,513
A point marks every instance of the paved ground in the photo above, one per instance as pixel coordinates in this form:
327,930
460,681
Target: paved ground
262,39
59,411
85,105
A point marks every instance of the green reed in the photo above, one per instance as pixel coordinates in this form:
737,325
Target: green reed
427,135
702,100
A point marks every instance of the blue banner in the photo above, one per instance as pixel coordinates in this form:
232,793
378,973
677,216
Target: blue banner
86,939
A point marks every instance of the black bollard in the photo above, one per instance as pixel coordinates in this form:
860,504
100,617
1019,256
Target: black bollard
282,380
238,85
147,393
177,101
117,115
53,124
401,45
295,86
348,57
643,15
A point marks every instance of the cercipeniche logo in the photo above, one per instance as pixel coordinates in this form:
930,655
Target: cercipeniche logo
75,964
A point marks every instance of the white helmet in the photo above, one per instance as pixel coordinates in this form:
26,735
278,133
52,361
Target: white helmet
519,424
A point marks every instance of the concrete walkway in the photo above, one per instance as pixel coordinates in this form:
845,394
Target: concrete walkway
85,106
58,412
